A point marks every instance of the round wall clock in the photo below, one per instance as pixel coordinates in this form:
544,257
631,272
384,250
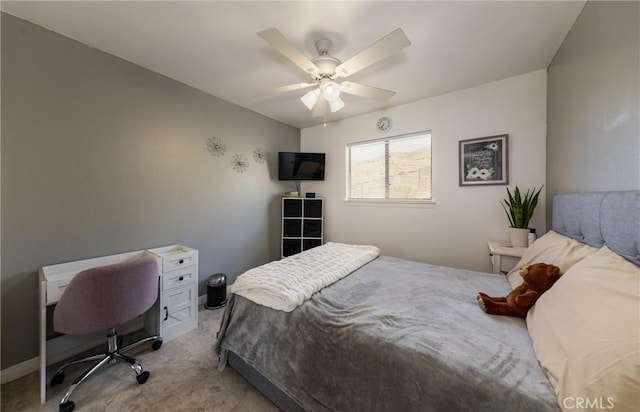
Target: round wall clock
384,124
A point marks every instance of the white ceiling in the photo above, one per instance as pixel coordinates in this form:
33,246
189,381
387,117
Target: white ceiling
213,46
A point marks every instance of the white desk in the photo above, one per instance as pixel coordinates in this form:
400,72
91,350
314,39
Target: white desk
174,313
503,256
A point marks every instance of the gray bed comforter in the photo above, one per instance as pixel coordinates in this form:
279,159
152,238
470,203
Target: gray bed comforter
394,335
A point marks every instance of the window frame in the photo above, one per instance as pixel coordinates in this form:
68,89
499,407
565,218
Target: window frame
386,199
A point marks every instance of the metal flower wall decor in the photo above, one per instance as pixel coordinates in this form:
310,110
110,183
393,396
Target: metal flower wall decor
216,147
240,163
259,155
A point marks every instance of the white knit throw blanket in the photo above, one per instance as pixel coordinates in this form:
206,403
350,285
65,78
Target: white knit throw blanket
285,284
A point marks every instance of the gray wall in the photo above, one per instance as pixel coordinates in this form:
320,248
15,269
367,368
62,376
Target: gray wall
100,156
593,138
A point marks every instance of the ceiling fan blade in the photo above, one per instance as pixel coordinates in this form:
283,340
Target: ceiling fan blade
320,108
386,46
287,88
284,46
363,90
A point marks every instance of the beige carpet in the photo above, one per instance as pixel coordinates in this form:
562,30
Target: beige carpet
184,377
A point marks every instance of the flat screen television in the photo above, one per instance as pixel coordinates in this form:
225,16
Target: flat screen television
300,166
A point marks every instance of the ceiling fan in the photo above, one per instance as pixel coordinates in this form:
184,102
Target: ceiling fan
326,69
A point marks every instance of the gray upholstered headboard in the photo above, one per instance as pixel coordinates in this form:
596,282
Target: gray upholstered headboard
601,218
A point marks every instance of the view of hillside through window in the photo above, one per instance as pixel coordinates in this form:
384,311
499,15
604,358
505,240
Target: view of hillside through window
394,168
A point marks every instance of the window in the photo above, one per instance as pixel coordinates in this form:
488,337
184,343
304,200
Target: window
394,168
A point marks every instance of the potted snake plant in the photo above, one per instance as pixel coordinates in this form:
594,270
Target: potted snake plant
519,209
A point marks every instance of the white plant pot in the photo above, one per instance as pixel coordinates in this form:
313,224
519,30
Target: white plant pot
518,236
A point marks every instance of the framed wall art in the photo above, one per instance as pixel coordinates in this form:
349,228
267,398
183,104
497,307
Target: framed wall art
484,161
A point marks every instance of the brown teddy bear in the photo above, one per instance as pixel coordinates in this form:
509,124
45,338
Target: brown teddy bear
538,278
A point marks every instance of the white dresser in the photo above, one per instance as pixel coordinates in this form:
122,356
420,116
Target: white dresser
178,303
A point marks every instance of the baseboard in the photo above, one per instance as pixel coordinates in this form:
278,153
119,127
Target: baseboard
19,370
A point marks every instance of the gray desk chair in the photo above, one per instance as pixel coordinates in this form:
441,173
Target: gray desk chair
102,298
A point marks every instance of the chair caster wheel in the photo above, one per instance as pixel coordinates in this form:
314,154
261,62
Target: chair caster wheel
156,345
68,406
142,378
57,379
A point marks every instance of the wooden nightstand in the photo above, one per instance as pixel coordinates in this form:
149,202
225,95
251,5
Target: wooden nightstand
503,256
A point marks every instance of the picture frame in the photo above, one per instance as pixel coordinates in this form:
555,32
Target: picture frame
484,161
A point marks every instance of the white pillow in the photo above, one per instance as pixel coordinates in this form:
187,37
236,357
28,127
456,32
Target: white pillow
554,249
586,334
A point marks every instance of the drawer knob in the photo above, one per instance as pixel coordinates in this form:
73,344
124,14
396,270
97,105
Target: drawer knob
181,278
181,261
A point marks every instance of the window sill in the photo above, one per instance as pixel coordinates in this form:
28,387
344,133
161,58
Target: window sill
428,204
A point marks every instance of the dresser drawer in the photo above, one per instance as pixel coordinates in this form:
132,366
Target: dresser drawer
178,261
180,277
175,257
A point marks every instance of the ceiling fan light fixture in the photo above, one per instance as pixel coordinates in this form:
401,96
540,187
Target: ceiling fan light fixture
330,90
336,104
310,98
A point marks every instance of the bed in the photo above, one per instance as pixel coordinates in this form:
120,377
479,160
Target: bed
400,335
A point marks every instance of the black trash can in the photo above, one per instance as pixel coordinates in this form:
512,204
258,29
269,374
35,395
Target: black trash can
216,291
